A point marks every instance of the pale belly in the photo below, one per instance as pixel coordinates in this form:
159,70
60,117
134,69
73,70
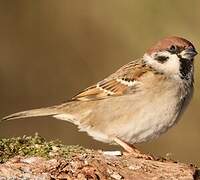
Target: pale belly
133,122
149,122
133,119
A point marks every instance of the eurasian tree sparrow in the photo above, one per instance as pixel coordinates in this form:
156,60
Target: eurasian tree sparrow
138,102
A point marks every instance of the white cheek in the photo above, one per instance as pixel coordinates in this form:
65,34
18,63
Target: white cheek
170,67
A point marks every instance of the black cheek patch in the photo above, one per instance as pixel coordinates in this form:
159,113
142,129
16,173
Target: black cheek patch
185,68
161,59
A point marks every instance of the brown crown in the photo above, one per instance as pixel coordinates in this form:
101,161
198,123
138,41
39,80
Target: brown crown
166,43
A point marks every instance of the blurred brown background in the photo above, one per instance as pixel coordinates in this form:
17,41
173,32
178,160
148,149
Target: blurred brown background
50,50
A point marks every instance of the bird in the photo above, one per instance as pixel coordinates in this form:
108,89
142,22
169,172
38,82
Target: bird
135,104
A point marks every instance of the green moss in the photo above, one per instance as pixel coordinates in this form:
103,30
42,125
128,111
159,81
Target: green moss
36,146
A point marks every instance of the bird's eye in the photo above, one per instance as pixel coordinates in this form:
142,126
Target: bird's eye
173,49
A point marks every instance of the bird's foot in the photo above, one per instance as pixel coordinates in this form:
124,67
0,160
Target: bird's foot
133,151
139,155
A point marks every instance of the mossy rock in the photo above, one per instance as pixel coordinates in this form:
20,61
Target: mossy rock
36,146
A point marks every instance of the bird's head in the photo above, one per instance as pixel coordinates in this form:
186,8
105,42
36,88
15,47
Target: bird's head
172,56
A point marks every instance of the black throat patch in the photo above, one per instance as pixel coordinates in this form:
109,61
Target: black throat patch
185,68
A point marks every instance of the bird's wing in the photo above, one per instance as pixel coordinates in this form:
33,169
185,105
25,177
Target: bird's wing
124,81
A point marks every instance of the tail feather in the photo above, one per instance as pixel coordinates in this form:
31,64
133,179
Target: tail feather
33,113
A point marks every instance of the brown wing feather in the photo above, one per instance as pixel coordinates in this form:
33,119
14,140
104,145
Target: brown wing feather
90,93
117,84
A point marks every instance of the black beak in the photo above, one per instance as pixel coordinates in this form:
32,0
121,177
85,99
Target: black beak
189,53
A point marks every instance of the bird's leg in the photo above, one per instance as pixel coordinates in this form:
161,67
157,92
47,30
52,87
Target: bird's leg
127,147
132,150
